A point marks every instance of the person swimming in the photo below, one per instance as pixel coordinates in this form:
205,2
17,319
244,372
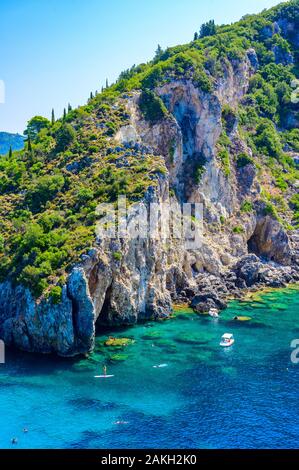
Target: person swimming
25,430
105,370
14,440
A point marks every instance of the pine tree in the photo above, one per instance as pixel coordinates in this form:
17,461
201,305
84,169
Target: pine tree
208,29
195,36
64,114
53,117
10,152
69,108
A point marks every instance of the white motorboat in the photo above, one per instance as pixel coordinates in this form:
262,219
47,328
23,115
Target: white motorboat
213,312
227,340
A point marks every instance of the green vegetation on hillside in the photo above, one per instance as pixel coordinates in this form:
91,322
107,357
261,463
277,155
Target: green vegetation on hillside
49,191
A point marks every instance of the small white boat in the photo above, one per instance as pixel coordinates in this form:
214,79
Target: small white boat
227,340
213,312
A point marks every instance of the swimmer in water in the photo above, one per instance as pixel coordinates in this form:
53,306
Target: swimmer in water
105,370
14,440
25,430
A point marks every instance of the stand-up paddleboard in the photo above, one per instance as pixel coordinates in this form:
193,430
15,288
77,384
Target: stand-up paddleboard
103,376
160,366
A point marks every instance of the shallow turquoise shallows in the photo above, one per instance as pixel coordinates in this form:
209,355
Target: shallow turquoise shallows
245,396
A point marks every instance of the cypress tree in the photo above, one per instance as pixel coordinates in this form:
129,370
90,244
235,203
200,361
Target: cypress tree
195,36
69,108
91,95
29,144
208,29
10,152
107,84
53,117
64,114
158,53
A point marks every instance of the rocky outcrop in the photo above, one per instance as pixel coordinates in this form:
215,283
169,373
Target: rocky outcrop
125,280
254,272
270,241
103,290
66,328
205,301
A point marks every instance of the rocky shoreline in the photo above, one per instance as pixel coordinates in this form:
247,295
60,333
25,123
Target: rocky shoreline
248,276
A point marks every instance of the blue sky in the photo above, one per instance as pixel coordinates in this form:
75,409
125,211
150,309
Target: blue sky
56,51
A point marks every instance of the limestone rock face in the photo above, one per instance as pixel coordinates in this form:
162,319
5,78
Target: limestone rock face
124,280
66,328
289,29
82,309
270,241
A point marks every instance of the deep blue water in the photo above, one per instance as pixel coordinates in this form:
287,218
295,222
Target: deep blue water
243,397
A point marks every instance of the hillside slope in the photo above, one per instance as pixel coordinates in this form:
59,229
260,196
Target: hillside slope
215,122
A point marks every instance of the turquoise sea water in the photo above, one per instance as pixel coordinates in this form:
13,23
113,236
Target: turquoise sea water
245,396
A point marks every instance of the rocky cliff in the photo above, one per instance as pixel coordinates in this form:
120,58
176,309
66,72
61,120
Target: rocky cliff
208,153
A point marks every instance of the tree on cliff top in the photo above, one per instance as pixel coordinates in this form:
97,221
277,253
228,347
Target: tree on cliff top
35,125
208,29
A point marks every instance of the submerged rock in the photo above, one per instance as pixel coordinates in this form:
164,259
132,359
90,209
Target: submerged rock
118,342
242,318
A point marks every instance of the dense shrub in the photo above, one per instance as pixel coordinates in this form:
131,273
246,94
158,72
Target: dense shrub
65,136
55,294
291,138
238,229
267,139
269,209
35,125
44,189
152,107
208,29
243,160
246,207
